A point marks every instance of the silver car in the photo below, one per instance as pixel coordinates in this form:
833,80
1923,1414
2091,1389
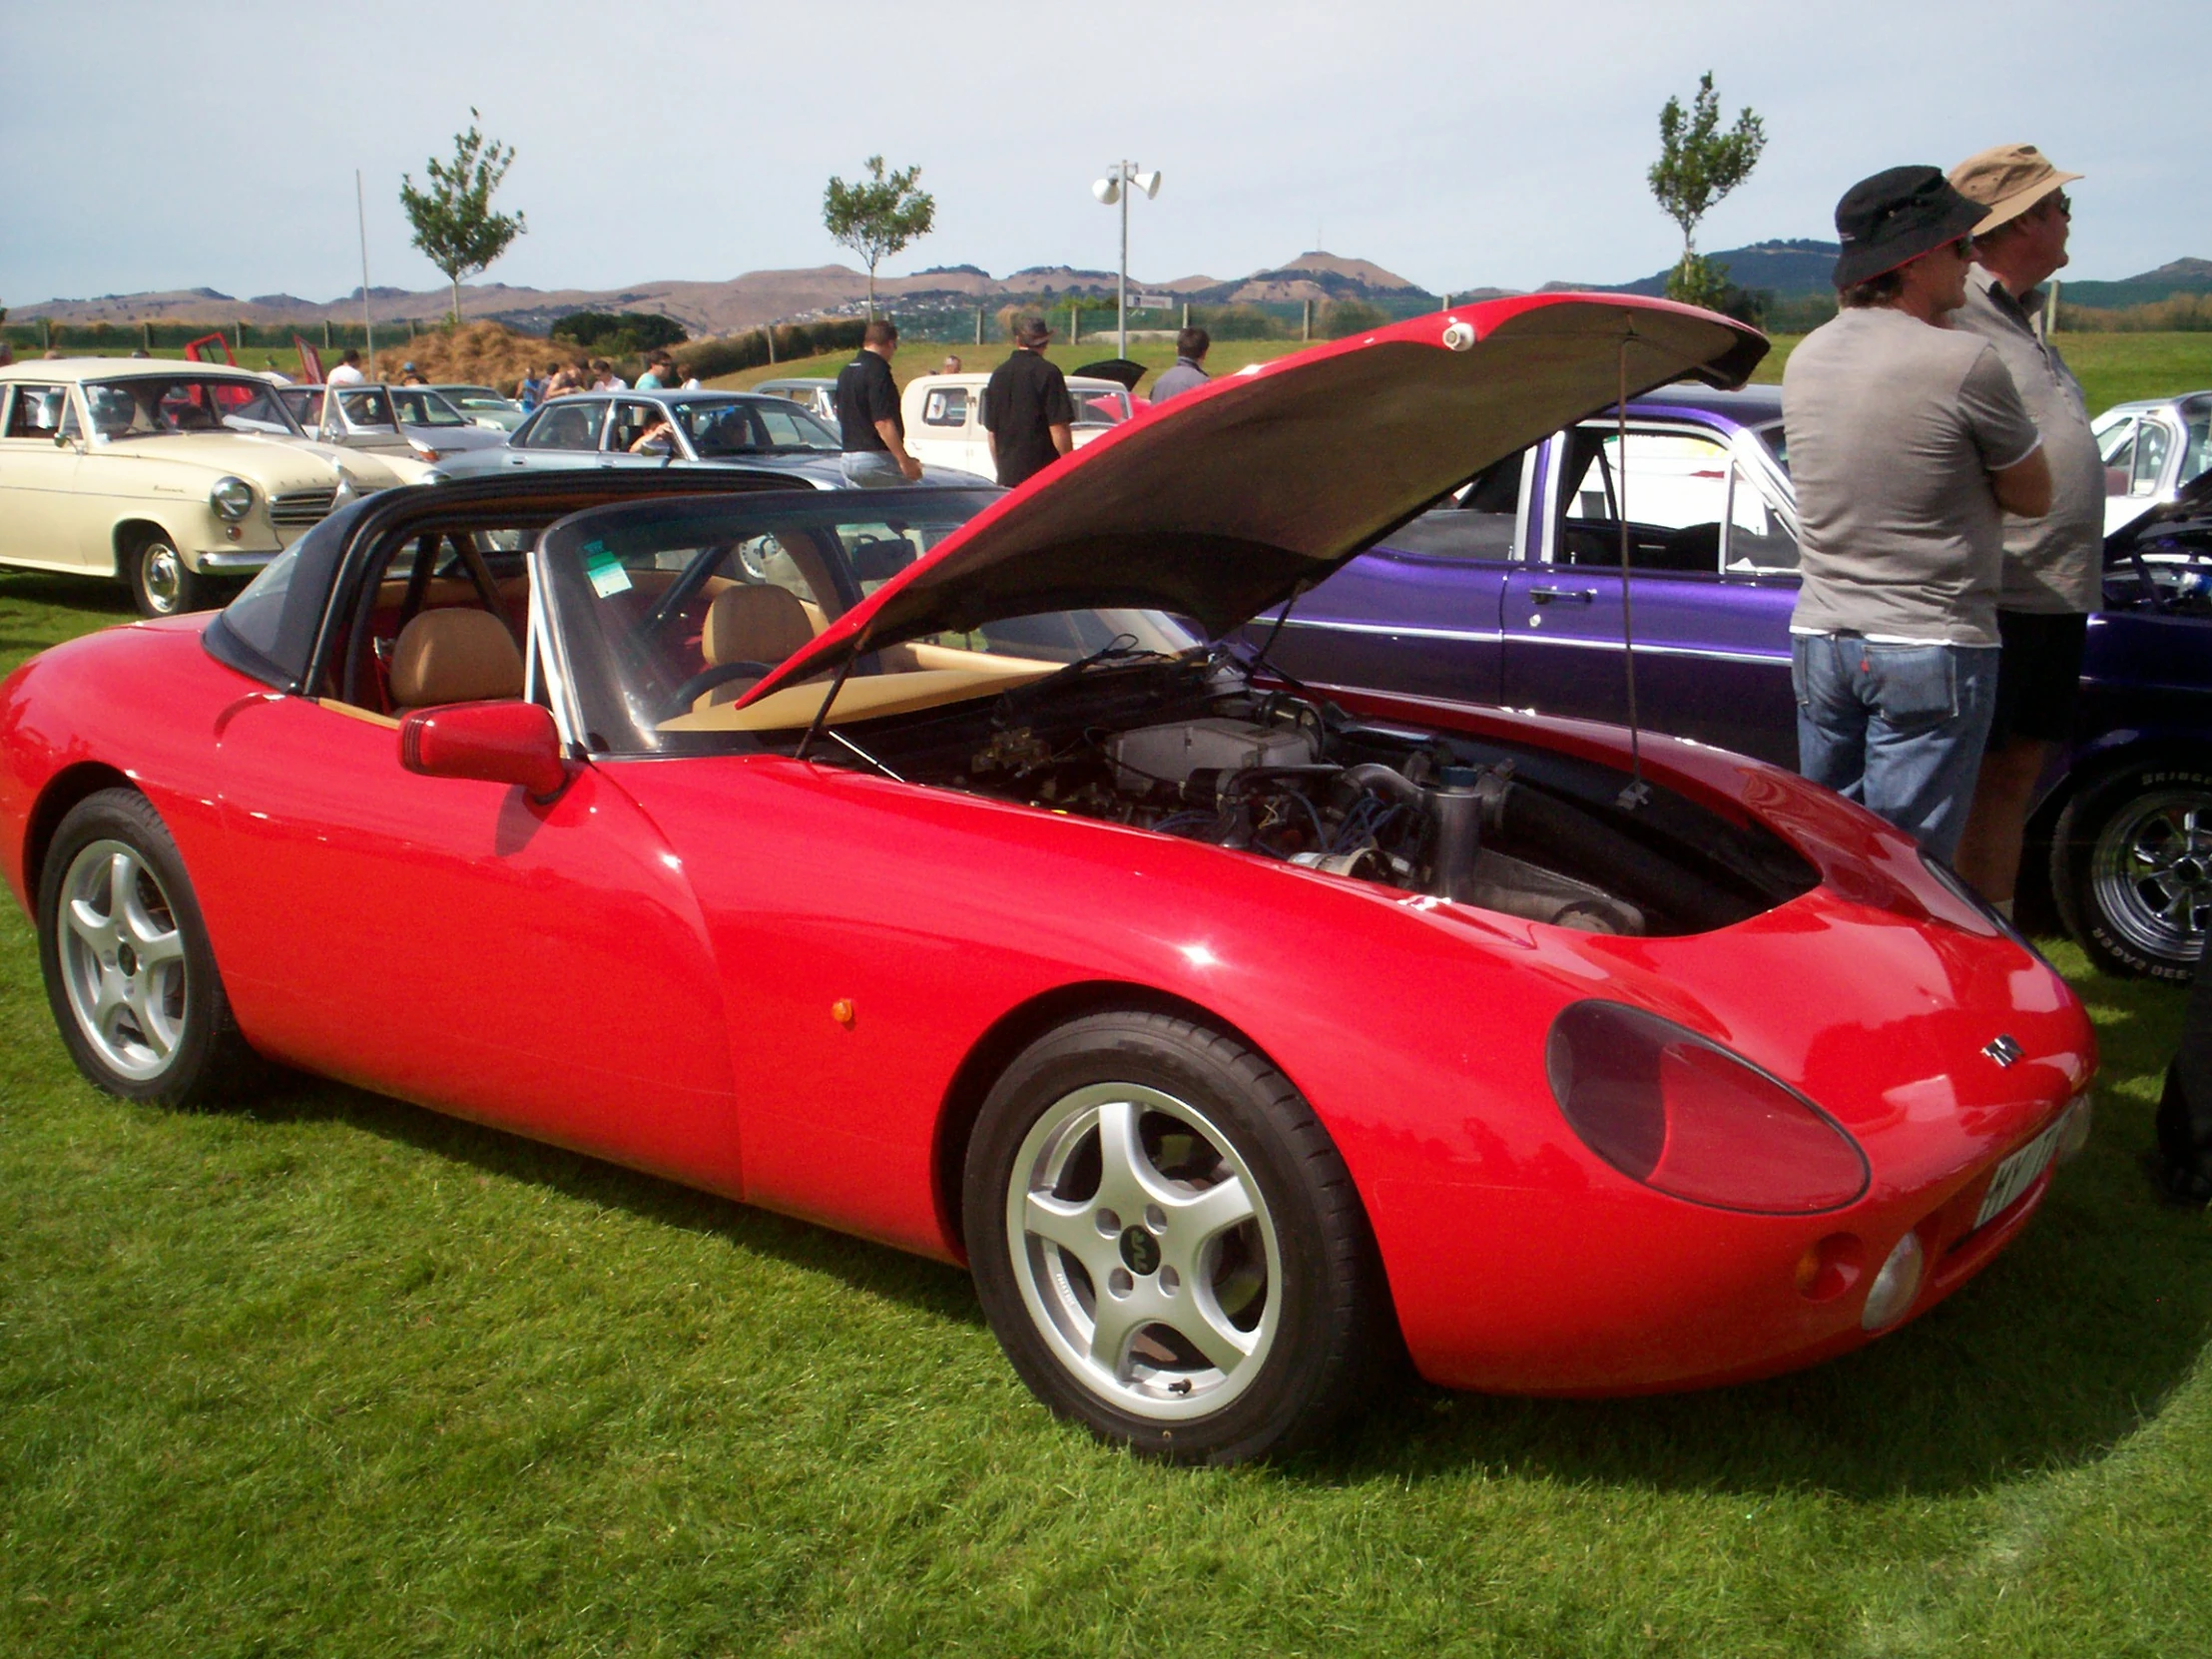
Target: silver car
2150,450
406,420
677,428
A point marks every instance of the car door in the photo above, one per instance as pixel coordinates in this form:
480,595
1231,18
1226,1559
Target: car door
41,465
539,965
1713,558
563,433
1420,612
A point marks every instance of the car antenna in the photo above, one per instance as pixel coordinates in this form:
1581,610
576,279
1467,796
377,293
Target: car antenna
1636,792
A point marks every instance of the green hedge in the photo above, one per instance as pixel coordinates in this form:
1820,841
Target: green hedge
710,359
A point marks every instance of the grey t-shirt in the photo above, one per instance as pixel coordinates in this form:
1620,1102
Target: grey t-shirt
1894,429
2055,563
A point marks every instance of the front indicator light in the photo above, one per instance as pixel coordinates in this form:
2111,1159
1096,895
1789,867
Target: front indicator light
1889,1297
1681,1114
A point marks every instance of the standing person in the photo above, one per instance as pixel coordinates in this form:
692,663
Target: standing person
530,390
1191,346
1028,413
952,363
604,377
409,375
868,418
1905,439
349,372
660,372
2053,564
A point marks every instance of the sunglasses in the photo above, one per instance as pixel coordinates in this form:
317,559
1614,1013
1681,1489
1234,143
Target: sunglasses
2059,199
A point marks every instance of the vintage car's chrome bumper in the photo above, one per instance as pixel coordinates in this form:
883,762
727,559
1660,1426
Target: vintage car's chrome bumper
235,558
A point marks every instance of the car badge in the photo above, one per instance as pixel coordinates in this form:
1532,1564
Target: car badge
2004,1050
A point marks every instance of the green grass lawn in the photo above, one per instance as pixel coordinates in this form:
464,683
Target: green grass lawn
325,1375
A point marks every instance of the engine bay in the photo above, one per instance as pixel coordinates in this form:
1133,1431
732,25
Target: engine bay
1192,750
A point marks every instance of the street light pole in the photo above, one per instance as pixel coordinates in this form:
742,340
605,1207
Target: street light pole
1116,188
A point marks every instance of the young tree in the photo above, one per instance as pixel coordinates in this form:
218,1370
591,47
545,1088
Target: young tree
452,218
1698,164
877,216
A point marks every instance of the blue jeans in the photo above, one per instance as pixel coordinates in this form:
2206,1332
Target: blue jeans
1898,728
871,469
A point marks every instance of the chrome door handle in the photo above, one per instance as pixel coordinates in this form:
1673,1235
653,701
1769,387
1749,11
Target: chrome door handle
1581,596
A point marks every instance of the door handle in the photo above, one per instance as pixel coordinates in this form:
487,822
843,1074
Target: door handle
1580,596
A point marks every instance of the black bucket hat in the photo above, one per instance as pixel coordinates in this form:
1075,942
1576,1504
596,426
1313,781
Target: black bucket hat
1895,217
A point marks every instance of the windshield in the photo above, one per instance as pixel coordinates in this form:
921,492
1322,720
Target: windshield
753,427
150,405
420,406
668,611
364,406
2196,445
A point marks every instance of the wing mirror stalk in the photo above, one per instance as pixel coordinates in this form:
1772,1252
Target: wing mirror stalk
508,742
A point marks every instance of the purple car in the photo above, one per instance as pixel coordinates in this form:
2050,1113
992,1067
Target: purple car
1511,592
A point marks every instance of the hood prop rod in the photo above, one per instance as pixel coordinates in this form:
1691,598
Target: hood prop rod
1636,792
821,715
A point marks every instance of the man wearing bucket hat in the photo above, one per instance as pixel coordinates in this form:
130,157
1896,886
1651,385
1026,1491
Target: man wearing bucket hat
1906,439
2053,565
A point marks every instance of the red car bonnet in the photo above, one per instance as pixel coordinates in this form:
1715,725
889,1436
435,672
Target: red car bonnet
1236,495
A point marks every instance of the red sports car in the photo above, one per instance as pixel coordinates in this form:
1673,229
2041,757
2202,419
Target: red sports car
920,863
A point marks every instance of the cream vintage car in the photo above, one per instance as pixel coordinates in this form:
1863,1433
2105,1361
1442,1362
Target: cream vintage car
169,476
944,417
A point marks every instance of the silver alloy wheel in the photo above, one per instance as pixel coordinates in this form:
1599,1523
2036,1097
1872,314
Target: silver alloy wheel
162,576
2151,872
1144,1251
122,959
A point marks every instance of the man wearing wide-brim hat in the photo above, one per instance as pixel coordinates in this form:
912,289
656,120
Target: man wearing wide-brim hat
2053,564
1905,439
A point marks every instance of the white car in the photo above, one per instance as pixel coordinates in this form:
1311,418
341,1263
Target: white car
2150,450
169,476
406,422
944,417
816,393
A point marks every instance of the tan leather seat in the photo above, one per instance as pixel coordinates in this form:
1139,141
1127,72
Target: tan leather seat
455,655
751,624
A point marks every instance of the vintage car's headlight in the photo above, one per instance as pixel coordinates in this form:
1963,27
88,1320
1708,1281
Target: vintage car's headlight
1679,1113
232,497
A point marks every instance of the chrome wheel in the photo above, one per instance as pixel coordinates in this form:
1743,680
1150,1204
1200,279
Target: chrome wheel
160,578
2150,873
1144,1251
122,959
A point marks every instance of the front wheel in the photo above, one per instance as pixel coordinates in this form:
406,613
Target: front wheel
161,582
1167,1244
129,973
2131,868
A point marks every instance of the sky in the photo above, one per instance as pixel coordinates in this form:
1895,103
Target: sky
1456,144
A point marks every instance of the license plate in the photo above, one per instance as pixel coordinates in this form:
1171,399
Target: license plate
2017,1173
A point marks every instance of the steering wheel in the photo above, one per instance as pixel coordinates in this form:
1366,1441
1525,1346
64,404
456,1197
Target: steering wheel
705,679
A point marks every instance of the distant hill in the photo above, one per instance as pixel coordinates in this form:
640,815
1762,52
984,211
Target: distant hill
1791,266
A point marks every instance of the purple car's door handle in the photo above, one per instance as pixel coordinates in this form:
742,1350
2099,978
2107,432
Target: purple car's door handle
1581,596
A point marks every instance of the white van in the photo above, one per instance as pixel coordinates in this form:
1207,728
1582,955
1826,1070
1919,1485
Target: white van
944,417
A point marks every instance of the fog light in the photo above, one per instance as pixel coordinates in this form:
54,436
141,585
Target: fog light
2074,1132
1890,1298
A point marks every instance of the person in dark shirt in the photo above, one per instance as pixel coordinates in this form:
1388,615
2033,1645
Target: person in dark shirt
1028,413
873,430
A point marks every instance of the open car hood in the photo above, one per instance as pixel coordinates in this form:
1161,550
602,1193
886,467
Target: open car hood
1118,370
1242,492
2193,500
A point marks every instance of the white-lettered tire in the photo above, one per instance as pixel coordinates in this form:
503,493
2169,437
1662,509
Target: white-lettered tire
161,584
2131,867
129,971
1167,1242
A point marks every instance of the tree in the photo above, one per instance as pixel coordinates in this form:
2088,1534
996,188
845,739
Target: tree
452,218
878,216
1698,164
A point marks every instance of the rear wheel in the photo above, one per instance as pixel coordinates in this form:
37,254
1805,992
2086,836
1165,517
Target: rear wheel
161,582
2131,868
129,973
1167,1242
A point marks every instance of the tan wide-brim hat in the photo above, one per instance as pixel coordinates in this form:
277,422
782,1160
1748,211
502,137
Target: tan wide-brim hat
2008,180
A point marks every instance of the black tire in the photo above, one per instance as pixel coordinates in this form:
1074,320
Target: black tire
129,973
1216,1127
2131,868
161,582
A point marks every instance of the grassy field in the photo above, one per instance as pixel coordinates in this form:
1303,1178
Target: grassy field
325,1375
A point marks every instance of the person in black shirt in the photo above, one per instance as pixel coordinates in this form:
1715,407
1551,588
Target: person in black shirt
1027,412
873,430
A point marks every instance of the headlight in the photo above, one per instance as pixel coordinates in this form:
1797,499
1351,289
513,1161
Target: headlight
232,497
1679,1113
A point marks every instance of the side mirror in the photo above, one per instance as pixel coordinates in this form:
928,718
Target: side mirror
494,743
